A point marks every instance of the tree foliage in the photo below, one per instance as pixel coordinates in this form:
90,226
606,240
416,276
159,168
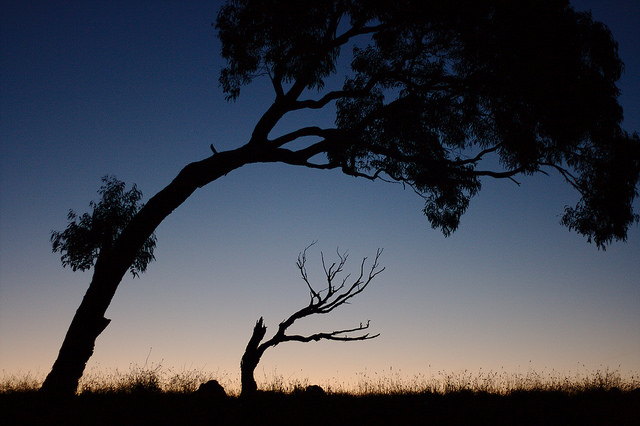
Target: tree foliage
436,90
88,235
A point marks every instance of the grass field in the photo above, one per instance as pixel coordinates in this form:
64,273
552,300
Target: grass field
161,396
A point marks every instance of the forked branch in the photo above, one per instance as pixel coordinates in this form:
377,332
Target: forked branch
321,302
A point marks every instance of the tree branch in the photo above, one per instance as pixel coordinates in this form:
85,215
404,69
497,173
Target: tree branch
500,175
287,102
267,122
334,95
276,81
569,177
302,156
478,157
356,288
354,32
333,297
334,335
322,301
302,259
301,133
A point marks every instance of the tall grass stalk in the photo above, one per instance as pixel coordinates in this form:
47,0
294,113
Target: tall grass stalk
156,378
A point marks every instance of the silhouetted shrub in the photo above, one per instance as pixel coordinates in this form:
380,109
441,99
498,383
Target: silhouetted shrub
212,389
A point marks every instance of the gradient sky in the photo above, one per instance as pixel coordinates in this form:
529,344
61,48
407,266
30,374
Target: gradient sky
130,89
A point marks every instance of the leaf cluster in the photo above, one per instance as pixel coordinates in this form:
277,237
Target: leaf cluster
258,43
90,234
436,88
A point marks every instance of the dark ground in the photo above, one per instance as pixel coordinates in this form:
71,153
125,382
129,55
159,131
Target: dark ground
611,407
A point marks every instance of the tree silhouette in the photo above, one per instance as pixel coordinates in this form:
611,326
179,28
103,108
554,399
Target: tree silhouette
88,235
321,302
436,95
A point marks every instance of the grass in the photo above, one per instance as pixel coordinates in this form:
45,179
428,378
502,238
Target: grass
496,383
159,395
157,378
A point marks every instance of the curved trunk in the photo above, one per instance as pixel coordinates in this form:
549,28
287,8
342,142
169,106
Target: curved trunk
89,320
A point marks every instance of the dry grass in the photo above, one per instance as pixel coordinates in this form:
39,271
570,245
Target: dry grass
19,383
157,395
156,378
492,382
148,379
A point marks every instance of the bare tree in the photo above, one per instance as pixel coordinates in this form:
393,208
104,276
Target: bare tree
321,302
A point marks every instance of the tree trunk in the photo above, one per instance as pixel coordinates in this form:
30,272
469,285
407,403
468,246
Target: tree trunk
89,320
76,350
251,358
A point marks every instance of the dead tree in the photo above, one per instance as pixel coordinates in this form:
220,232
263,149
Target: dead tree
321,302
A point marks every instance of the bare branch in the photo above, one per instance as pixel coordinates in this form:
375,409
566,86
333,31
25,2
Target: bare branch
302,260
500,175
354,32
276,81
478,157
332,96
301,133
359,285
331,273
322,301
329,97
302,156
334,335
567,175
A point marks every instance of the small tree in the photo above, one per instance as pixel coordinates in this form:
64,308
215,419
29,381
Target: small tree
321,302
88,235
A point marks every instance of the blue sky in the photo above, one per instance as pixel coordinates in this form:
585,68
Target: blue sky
130,89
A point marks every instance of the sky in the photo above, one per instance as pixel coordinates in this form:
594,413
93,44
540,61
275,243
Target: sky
131,89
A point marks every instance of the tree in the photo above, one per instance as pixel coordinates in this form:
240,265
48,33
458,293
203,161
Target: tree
438,96
90,234
87,238
321,302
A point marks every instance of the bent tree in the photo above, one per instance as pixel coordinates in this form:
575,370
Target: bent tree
321,302
436,95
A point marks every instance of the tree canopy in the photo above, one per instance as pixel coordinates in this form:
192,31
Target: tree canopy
436,90
88,235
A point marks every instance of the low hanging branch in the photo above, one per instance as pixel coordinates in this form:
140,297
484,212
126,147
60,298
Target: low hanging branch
321,302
